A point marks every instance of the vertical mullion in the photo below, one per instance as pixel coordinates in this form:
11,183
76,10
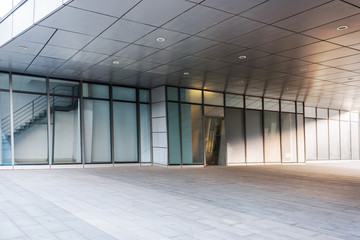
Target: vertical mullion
138,127
263,128
296,133
180,127
50,159
280,131
244,121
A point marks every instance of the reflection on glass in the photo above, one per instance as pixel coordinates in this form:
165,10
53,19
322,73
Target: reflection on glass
4,81
29,83
124,93
271,104
66,88
145,134
287,106
5,128
65,130
288,137
30,128
191,95
253,103
355,140
144,95
174,133
323,140
272,136
172,94
192,135
125,132
95,90
233,100
300,138
235,142
213,111
213,98
254,137
215,141
334,139
97,131
310,136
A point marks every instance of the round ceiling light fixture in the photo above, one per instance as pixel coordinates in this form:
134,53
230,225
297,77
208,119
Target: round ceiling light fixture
342,28
242,57
160,39
116,62
303,69
186,73
24,48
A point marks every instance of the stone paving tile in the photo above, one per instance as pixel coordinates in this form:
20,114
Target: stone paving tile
257,202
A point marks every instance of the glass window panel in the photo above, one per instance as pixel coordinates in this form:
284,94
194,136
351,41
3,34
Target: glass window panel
145,133
23,17
4,81
310,112
125,132
65,130
97,131
192,134
213,98
300,138
300,107
355,140
287,106
95,91
6,6
191,95
310,138
174,133
172,94
235,142
66,88
288,137
233,100
5,127
272,136
6,28
355,116
323,139
345,140
344,116
253,103
29,83
144,95
334,139
334,114
271,104
322,113
124,93
44,7
254,137
30,128
213,111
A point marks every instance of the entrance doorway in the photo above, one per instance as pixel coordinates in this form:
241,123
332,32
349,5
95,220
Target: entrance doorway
214,141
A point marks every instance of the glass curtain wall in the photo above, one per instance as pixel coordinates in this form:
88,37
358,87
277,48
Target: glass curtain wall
65,132
322,133
97,145
334,134
345,135
288,132
272,131
310,133
125,125
5,124
30,111
145,133
300,132
355,135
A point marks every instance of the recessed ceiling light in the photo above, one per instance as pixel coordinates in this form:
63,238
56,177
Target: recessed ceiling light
23,48
303,69
186,73
116,62
342,28
242,57
160,39
205,88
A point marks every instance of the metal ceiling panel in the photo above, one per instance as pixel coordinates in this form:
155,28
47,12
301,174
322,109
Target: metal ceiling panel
79,21
88,57
195,20
57,52
170,38
105,46
191,45
70,39
233,6
147,11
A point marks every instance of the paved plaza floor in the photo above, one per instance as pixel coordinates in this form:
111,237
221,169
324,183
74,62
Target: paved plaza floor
313,201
